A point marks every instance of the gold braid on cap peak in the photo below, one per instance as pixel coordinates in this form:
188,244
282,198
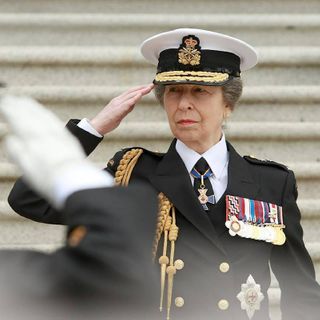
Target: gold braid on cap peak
166,225
201,76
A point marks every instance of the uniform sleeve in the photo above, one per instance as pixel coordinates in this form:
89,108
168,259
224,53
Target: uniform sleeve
29,204
107,256
292,264
88,141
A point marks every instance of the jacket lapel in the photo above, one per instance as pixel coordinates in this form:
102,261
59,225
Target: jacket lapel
241,181
172,178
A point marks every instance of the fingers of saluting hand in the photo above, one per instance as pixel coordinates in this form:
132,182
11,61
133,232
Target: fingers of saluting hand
143,90
129,104
111,116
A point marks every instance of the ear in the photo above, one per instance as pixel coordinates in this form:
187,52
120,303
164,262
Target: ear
227,112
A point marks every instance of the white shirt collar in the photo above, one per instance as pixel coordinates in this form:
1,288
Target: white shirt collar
217,156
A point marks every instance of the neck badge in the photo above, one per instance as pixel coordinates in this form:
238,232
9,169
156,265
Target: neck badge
203,197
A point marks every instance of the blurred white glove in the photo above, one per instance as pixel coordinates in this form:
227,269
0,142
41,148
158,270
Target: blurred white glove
51,159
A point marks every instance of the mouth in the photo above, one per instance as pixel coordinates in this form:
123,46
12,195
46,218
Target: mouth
186,122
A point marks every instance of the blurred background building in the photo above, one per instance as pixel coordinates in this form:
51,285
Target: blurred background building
76,55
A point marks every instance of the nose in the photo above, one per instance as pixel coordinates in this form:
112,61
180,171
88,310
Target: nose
185,103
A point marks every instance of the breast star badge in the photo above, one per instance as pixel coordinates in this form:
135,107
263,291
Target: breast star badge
250,296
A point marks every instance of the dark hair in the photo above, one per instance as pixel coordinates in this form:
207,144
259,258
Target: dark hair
231,91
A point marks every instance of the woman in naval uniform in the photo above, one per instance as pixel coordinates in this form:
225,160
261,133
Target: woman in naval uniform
223,219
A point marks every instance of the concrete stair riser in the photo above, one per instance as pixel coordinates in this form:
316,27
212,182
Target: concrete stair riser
36,58
163,7
288,103
278,151
307,175
125,66
132,29
308,189
30,233
154,113
20,75
308,215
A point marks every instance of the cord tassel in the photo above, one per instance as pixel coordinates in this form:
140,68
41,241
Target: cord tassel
171,270
164,260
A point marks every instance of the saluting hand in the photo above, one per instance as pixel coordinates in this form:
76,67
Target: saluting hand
112,114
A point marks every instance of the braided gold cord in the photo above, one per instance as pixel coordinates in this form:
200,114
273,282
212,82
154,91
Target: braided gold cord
166,225
163,213
126,165
171,269
164,260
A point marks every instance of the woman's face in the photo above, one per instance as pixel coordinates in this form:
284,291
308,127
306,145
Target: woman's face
195,114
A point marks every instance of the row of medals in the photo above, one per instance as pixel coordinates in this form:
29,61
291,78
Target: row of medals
266,232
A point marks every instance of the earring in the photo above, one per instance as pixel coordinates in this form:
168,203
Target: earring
226,115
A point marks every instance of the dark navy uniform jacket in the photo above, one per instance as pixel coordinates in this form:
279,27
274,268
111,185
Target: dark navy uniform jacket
102,272
204,242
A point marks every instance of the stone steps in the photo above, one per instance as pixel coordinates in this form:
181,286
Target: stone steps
266,140
84,66
20,232
310,210
163,7
28,233
131,29
308,203
308,180
278,141
290,103
16,230
76,58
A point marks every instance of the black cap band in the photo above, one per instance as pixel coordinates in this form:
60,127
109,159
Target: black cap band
211,61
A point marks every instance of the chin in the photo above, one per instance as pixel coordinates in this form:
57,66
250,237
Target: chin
186,138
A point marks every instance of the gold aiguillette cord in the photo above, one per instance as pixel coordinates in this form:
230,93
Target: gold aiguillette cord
171,269
164,260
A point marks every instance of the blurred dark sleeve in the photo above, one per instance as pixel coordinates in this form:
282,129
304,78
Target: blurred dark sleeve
292,264
106,261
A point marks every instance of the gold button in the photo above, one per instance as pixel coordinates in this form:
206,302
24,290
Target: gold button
179,264
223,304
76,235
179,302
224,267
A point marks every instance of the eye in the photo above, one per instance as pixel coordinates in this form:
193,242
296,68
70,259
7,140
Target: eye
173,89
200,90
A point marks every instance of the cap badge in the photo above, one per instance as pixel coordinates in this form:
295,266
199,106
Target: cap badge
250,296
189,52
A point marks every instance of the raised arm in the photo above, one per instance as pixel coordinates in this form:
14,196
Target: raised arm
30,204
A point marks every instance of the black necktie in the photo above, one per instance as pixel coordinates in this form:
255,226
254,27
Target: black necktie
202,185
